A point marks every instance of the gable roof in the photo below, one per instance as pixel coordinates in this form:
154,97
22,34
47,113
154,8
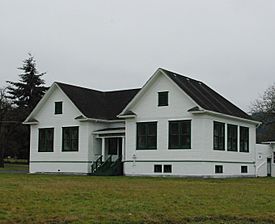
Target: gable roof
98,104
108,105
206,97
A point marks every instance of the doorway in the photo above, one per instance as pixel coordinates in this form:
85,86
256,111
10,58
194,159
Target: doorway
114,147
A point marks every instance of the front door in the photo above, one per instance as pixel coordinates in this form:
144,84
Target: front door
269,167
114,146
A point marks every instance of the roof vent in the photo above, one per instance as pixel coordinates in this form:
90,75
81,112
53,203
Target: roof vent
187,79
174,75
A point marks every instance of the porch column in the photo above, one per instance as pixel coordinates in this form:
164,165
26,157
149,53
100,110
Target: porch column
123,149
103,149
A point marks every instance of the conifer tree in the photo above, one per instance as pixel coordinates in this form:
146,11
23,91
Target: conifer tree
26,93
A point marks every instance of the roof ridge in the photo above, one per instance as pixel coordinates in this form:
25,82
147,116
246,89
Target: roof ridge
100,91
184,76
81,87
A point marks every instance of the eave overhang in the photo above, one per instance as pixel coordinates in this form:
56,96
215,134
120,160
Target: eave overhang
257,123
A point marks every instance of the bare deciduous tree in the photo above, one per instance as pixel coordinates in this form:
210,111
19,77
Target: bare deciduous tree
263,109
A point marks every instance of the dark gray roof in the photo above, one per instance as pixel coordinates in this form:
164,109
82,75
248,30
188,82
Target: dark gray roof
98,104
206,97
107,105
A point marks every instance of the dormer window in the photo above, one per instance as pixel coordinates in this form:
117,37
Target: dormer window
58,108
163,99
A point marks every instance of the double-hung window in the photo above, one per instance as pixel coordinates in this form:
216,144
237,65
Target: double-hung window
45,141
163,99
58,107
147,135
219,137
70,139
180,134
244,139
232,137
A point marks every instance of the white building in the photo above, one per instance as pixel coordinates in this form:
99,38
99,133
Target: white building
173,126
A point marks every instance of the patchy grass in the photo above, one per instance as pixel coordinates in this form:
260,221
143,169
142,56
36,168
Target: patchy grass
82,199
14,167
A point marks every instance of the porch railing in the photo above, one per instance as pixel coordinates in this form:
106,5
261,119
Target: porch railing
97,163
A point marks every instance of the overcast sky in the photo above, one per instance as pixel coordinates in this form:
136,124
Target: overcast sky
118,44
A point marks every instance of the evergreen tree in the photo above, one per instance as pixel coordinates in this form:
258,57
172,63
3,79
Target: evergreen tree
4,109
26,93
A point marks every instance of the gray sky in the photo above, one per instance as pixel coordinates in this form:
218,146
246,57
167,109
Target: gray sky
118,44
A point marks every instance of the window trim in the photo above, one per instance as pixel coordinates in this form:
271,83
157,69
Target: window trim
146,136
161,104
71,139
180,122
39,142
232,139
214,136
241,142
57,112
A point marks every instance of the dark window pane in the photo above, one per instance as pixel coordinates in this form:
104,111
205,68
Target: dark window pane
180,134
58,108
218,169
147,135
45,140
157,168
167,168
70,139
243,169
218,138
163,98
244,139
232,133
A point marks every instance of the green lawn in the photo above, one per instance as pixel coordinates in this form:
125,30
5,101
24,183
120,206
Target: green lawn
26,198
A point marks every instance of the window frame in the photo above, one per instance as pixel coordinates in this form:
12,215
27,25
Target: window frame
43,149
180,134
163,98
231,139
155,168
58,107
220,137
244,138
70,139
217,171
146,135
165,167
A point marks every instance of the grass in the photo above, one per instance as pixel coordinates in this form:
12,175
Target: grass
82,199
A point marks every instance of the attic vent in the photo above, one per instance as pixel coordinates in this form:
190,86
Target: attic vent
175,75
187,79
200,83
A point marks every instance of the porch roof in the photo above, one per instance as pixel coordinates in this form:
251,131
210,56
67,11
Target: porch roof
118,130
